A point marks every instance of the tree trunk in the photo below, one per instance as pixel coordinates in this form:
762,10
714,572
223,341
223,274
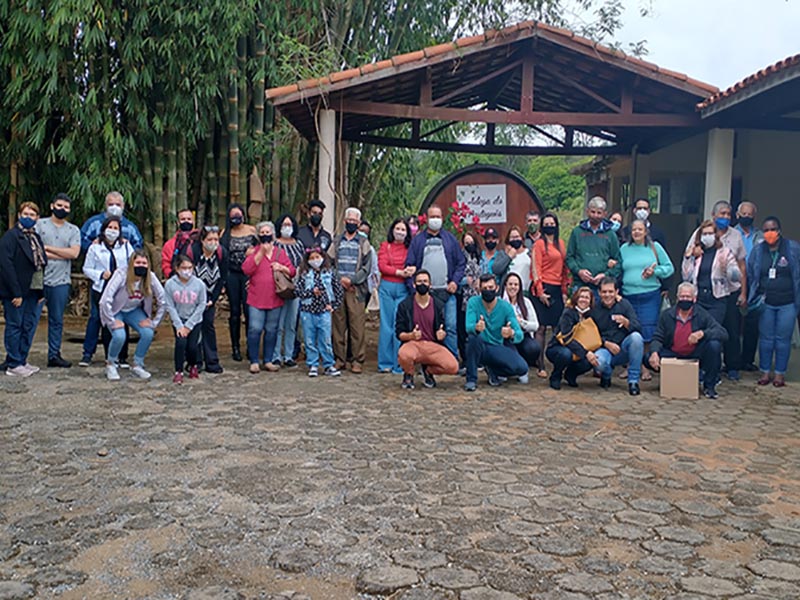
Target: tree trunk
241,57
222,173
211,179
172,182
233,138
13,192
181,187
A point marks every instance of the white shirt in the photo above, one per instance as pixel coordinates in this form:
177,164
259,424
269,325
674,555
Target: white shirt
98,260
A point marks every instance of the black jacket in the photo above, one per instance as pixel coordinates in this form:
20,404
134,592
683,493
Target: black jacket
404,323
195,251
701,320
16,263
609,330
569,318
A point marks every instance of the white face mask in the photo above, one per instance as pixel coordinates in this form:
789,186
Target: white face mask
287,232
399,235
114,210
315,263
112,235
641,214
435,223
708,240
185,273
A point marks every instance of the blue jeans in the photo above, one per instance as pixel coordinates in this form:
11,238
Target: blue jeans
502,360
56,297
21,322
631,351
92,326
564,366
317,336
450,310
775,329
131,318
266,321
391,294
287,330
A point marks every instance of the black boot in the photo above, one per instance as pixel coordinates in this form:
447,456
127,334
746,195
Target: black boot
236,331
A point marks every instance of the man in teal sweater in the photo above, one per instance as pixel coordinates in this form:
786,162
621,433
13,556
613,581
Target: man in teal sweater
493,329
593,249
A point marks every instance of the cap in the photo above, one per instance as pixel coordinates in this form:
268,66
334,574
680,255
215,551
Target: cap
491,232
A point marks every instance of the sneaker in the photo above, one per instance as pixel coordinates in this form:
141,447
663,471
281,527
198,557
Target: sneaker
332,372
58,361
112,374
20,371
86,361
470,386
177,378
462,372
254,368
140,372
123,364
494,380
313,371
408,382
193,372
289,364
216,369
605,382
271,367
523,379
633,389
555,384
429,382
711,393
33,369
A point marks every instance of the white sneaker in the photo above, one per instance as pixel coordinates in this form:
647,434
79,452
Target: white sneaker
31,368
313,371
111,373
20,371
140,372
523,378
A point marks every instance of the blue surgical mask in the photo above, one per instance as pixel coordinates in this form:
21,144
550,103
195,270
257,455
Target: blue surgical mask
615,225
722,222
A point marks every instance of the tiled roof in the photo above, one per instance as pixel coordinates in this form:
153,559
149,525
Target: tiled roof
529,27
751,80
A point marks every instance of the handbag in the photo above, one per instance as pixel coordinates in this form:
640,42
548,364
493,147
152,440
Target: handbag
585,333
284,286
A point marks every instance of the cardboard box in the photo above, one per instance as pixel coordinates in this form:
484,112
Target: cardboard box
679,378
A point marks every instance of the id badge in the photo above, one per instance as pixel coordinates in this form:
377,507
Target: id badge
772,273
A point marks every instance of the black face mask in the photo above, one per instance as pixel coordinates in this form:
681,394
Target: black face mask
236,221
315,220
743,221
488,295
471,248
491,244
549,229
62,213
186,226
265,238
140,271
351,227
685,304
422,288
515,244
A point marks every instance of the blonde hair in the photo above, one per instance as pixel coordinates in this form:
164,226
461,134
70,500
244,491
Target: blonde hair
146,290
29,205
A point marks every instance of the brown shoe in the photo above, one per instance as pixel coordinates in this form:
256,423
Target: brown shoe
340,365
254,368
272,367
356,368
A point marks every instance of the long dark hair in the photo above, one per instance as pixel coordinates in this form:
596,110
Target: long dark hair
279,225
225,240
390,233
520,301
555,235
106,222
475,238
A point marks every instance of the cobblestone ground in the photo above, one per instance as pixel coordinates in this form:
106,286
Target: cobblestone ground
283,487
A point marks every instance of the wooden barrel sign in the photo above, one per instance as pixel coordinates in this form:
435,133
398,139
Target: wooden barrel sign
498,197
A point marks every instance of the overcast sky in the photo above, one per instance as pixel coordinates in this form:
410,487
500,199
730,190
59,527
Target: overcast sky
716,41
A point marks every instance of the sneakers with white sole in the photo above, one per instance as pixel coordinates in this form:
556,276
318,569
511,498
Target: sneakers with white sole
140,372
20,371
112,374
313,371
32,368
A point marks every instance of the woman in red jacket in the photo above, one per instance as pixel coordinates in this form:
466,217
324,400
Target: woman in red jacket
392,291
263,304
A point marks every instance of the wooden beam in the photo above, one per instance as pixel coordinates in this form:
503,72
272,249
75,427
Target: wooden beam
626,104
410,112
476,82
581,88
569,137
526,89
490,130
426,89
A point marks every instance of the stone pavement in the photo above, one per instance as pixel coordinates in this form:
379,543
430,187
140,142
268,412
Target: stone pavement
282,487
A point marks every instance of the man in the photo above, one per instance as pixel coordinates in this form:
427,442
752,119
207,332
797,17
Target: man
593,249
420,329
751,236
731,239
115,207
492,327
438,252
621,334
178,243
641,211
532,220
314,235
687,330
62,245
352,257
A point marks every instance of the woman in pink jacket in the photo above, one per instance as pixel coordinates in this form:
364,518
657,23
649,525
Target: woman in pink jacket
263,304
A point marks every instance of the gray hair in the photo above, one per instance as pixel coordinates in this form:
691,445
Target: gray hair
720,204
115,196
688,285
746,203
596,202
353,211
269,224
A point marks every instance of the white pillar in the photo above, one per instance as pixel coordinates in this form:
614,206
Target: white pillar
719,168
326,166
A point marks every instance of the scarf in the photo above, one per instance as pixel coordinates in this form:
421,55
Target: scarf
37,249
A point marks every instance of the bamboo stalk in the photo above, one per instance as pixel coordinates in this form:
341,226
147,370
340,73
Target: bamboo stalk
181,188
243,102
211,178
172,182
233,137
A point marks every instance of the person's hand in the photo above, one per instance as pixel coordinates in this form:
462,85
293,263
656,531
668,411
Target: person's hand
611,263
452,287
480,325
742,299
146,323
317,291
545,299
621,321
697,251
346,283
612,347
441,333
648,272
470,280
507,332
183,332
655,361
598,278
17,302
592,358
329,308
695,337
410,270
106,275
209,304
416,333
276,266
585,275
117,324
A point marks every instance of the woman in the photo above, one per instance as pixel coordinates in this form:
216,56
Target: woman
128,300
712,268
262,301
186,303
287,319
550,276
468,286
616,225
528,348
392,291
773,271
520,257
413,224
22,263
111,252
210,267
570,359
644,264
239,240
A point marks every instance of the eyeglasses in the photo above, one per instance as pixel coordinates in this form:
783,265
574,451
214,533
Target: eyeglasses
211,228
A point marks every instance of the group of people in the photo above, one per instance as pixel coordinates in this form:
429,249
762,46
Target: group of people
447,305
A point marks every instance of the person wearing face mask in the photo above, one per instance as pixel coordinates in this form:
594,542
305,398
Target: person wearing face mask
467,289
532,233
641,211
186,303
210,267
22,263
420,329
569,357
493,331
62,244
687,330
616,226
239,240
112,252
178,243
737,290
128,299
751,236
593,249
714,272
438,252
392,291
493,260
114,207
413,224
521,261
289,315
774,276
314,234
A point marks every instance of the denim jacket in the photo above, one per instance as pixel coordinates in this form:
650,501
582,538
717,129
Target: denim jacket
792,251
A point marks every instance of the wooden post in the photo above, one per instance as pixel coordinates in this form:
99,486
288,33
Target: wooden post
326,165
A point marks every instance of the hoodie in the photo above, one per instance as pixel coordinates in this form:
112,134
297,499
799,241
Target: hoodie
592,250
186,302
